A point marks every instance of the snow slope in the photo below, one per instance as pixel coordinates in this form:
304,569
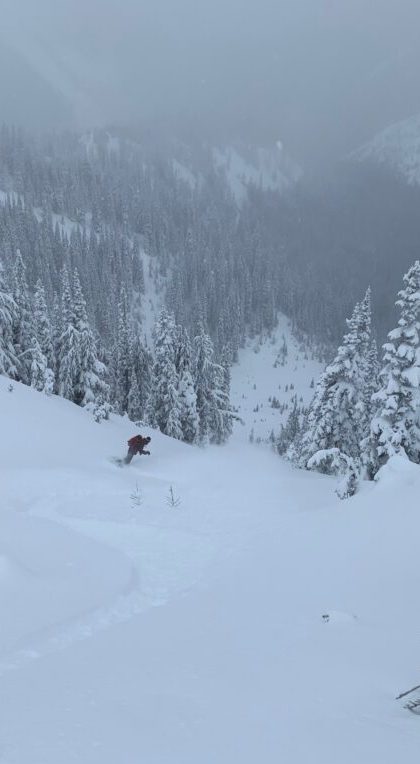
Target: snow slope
398,146
269,169
275,368
260,620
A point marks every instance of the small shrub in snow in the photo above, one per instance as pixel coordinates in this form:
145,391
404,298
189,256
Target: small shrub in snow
136,498
172,499
332,461
100,409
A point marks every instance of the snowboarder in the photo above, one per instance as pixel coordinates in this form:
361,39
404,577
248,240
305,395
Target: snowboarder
136,446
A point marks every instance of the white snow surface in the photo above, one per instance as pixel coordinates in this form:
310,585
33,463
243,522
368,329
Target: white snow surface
261,620
398,146
275,368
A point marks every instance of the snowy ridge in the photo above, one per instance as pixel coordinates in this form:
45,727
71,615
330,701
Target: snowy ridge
267,169
398,146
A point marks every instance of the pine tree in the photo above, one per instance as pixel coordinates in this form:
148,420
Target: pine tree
23,326
290,431
337,417
56,332
69,347
42,377
369,455
42,324
122,354
141,363
89,382
187,396
213,405
134,408
8,314
101,409
396,426
203,375
221,418
164,409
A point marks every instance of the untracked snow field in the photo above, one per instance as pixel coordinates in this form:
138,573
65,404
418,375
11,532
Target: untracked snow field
260,620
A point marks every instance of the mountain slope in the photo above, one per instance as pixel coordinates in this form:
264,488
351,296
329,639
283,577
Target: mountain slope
398,147
221,629
269,169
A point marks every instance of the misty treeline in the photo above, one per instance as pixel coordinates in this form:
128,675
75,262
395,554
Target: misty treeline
364,411
360,225
304,252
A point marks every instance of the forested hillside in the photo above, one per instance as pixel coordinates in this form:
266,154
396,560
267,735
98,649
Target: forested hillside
114,228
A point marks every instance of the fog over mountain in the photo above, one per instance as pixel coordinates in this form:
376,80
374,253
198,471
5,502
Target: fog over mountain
322,76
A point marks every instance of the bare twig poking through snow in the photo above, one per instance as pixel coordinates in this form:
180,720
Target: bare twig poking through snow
172,499
412,705
408,692
136,497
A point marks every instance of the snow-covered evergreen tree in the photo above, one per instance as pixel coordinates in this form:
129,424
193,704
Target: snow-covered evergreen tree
164,408
42,325
203,376
337,417
369,454
69,348
221,413
187,396
141,364
8,316
100,409
290,431
23,324
89,382
56,332
396,425
213,405
134,407
122,355
42,377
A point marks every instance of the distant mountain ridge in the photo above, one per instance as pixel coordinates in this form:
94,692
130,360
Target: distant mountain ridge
266,168
398,147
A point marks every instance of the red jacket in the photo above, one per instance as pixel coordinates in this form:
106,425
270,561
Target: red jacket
137,443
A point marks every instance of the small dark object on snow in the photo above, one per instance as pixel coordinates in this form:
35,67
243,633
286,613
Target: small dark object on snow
325,617
413,706
136,446
407,692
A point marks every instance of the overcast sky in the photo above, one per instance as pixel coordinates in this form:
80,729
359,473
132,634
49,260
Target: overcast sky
322,75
